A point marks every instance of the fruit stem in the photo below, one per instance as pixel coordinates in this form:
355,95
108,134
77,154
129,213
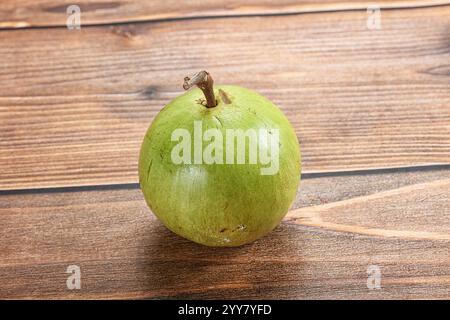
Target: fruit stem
204,81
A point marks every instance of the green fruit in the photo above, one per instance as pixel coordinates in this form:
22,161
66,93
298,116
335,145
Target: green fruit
219,204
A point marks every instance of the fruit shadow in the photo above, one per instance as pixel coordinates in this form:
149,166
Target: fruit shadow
176,268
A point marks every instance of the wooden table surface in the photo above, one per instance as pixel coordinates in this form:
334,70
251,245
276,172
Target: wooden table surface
371,109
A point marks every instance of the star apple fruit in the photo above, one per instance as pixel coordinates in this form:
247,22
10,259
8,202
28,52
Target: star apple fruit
192,183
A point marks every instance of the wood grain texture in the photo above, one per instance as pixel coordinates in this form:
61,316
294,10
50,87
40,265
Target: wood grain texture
74,105
38,13
385,207
123,252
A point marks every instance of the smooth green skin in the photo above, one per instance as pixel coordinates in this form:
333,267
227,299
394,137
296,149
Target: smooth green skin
218,204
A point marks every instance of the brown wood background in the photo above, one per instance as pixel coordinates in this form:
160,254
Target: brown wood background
371,109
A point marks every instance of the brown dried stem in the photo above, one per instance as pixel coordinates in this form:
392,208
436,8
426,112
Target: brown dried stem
204,81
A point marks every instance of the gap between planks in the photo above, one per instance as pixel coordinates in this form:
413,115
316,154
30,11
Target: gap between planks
304,176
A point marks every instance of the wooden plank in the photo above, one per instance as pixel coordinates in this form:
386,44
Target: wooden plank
74,105
38,13
123,252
